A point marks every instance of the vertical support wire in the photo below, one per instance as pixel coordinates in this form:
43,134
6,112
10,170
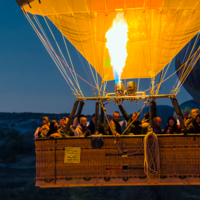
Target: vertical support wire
183,33
58,60
84,48
75,77
48,50
60,50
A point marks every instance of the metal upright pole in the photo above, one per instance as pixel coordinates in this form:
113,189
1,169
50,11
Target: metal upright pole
80,108
152,112
178,111
72,115
102,115
97,118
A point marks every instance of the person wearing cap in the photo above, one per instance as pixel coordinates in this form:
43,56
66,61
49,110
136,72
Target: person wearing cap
81,129
92,125
42,132
145,123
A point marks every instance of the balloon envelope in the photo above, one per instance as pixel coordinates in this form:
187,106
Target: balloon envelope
157,30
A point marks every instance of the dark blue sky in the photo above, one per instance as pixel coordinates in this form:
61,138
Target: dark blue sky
31,82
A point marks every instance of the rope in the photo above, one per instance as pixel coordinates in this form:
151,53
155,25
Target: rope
62,54
43,40
116,139
89,77
176,50
75,77
72,15
162,77
151,156
179,74
48,48
189,70
184,70
175,71
84,51
56,60
93,48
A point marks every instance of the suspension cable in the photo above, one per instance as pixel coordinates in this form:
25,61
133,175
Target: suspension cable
48,50
75,77
47,40
175,71
42,39
61,53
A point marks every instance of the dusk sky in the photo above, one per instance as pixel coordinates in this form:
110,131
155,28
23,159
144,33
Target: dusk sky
31,82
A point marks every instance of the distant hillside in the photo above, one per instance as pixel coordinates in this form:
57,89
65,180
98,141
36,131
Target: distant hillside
25,122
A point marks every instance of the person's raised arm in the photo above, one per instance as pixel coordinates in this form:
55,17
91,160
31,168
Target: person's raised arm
124,113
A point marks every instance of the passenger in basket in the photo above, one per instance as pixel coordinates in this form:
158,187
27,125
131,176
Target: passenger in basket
114,125
92,125
79,117
172,126
81,129
145,123
194,126
61,123
157,124
191,116
135,126
73,127
63,128
54,130
42,132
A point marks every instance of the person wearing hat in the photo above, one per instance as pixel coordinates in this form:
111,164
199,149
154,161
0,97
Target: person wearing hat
145,123
42,132
92,125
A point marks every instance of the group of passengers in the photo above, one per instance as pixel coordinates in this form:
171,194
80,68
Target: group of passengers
134,125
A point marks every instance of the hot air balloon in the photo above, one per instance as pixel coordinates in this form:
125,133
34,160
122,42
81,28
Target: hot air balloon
192,82
120,40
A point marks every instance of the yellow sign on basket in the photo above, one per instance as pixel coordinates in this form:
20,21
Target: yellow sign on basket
72,155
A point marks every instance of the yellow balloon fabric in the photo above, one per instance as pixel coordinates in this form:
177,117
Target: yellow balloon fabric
157,30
